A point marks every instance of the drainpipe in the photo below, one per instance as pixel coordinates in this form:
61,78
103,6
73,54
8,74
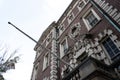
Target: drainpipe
105,15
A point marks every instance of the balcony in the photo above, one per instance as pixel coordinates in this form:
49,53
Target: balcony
91,69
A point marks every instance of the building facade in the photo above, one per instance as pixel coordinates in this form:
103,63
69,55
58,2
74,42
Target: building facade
84,44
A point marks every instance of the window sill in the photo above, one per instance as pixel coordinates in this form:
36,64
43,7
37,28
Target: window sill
91,28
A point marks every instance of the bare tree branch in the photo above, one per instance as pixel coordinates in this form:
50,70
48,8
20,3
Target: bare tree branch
7,63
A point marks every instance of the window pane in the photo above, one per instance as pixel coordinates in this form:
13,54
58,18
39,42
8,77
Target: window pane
117,51
110,47
92,20
64,44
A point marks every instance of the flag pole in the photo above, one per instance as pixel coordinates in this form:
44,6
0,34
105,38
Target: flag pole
23,32
40,44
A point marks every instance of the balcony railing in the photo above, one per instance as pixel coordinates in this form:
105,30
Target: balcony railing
89,69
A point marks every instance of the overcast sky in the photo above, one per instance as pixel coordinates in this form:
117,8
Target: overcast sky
33,17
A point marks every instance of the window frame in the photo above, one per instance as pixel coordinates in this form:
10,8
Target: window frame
71,17
108,54
62,51
79,6
89,27
46,63
48,38
61,29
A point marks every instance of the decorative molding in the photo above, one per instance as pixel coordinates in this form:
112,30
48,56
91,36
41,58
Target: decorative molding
109,9
97,47
86,22
53,71
77,28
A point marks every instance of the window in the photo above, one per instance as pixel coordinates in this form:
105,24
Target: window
81,4
64,44
91,19
111,48
61,28
46,61
70,18
63,47
48,39
57,32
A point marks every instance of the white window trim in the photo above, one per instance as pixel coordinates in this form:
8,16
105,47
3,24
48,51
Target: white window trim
107,52
80,8
48,37
61,31
89,27
107,55
44,61
69,20
61,47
